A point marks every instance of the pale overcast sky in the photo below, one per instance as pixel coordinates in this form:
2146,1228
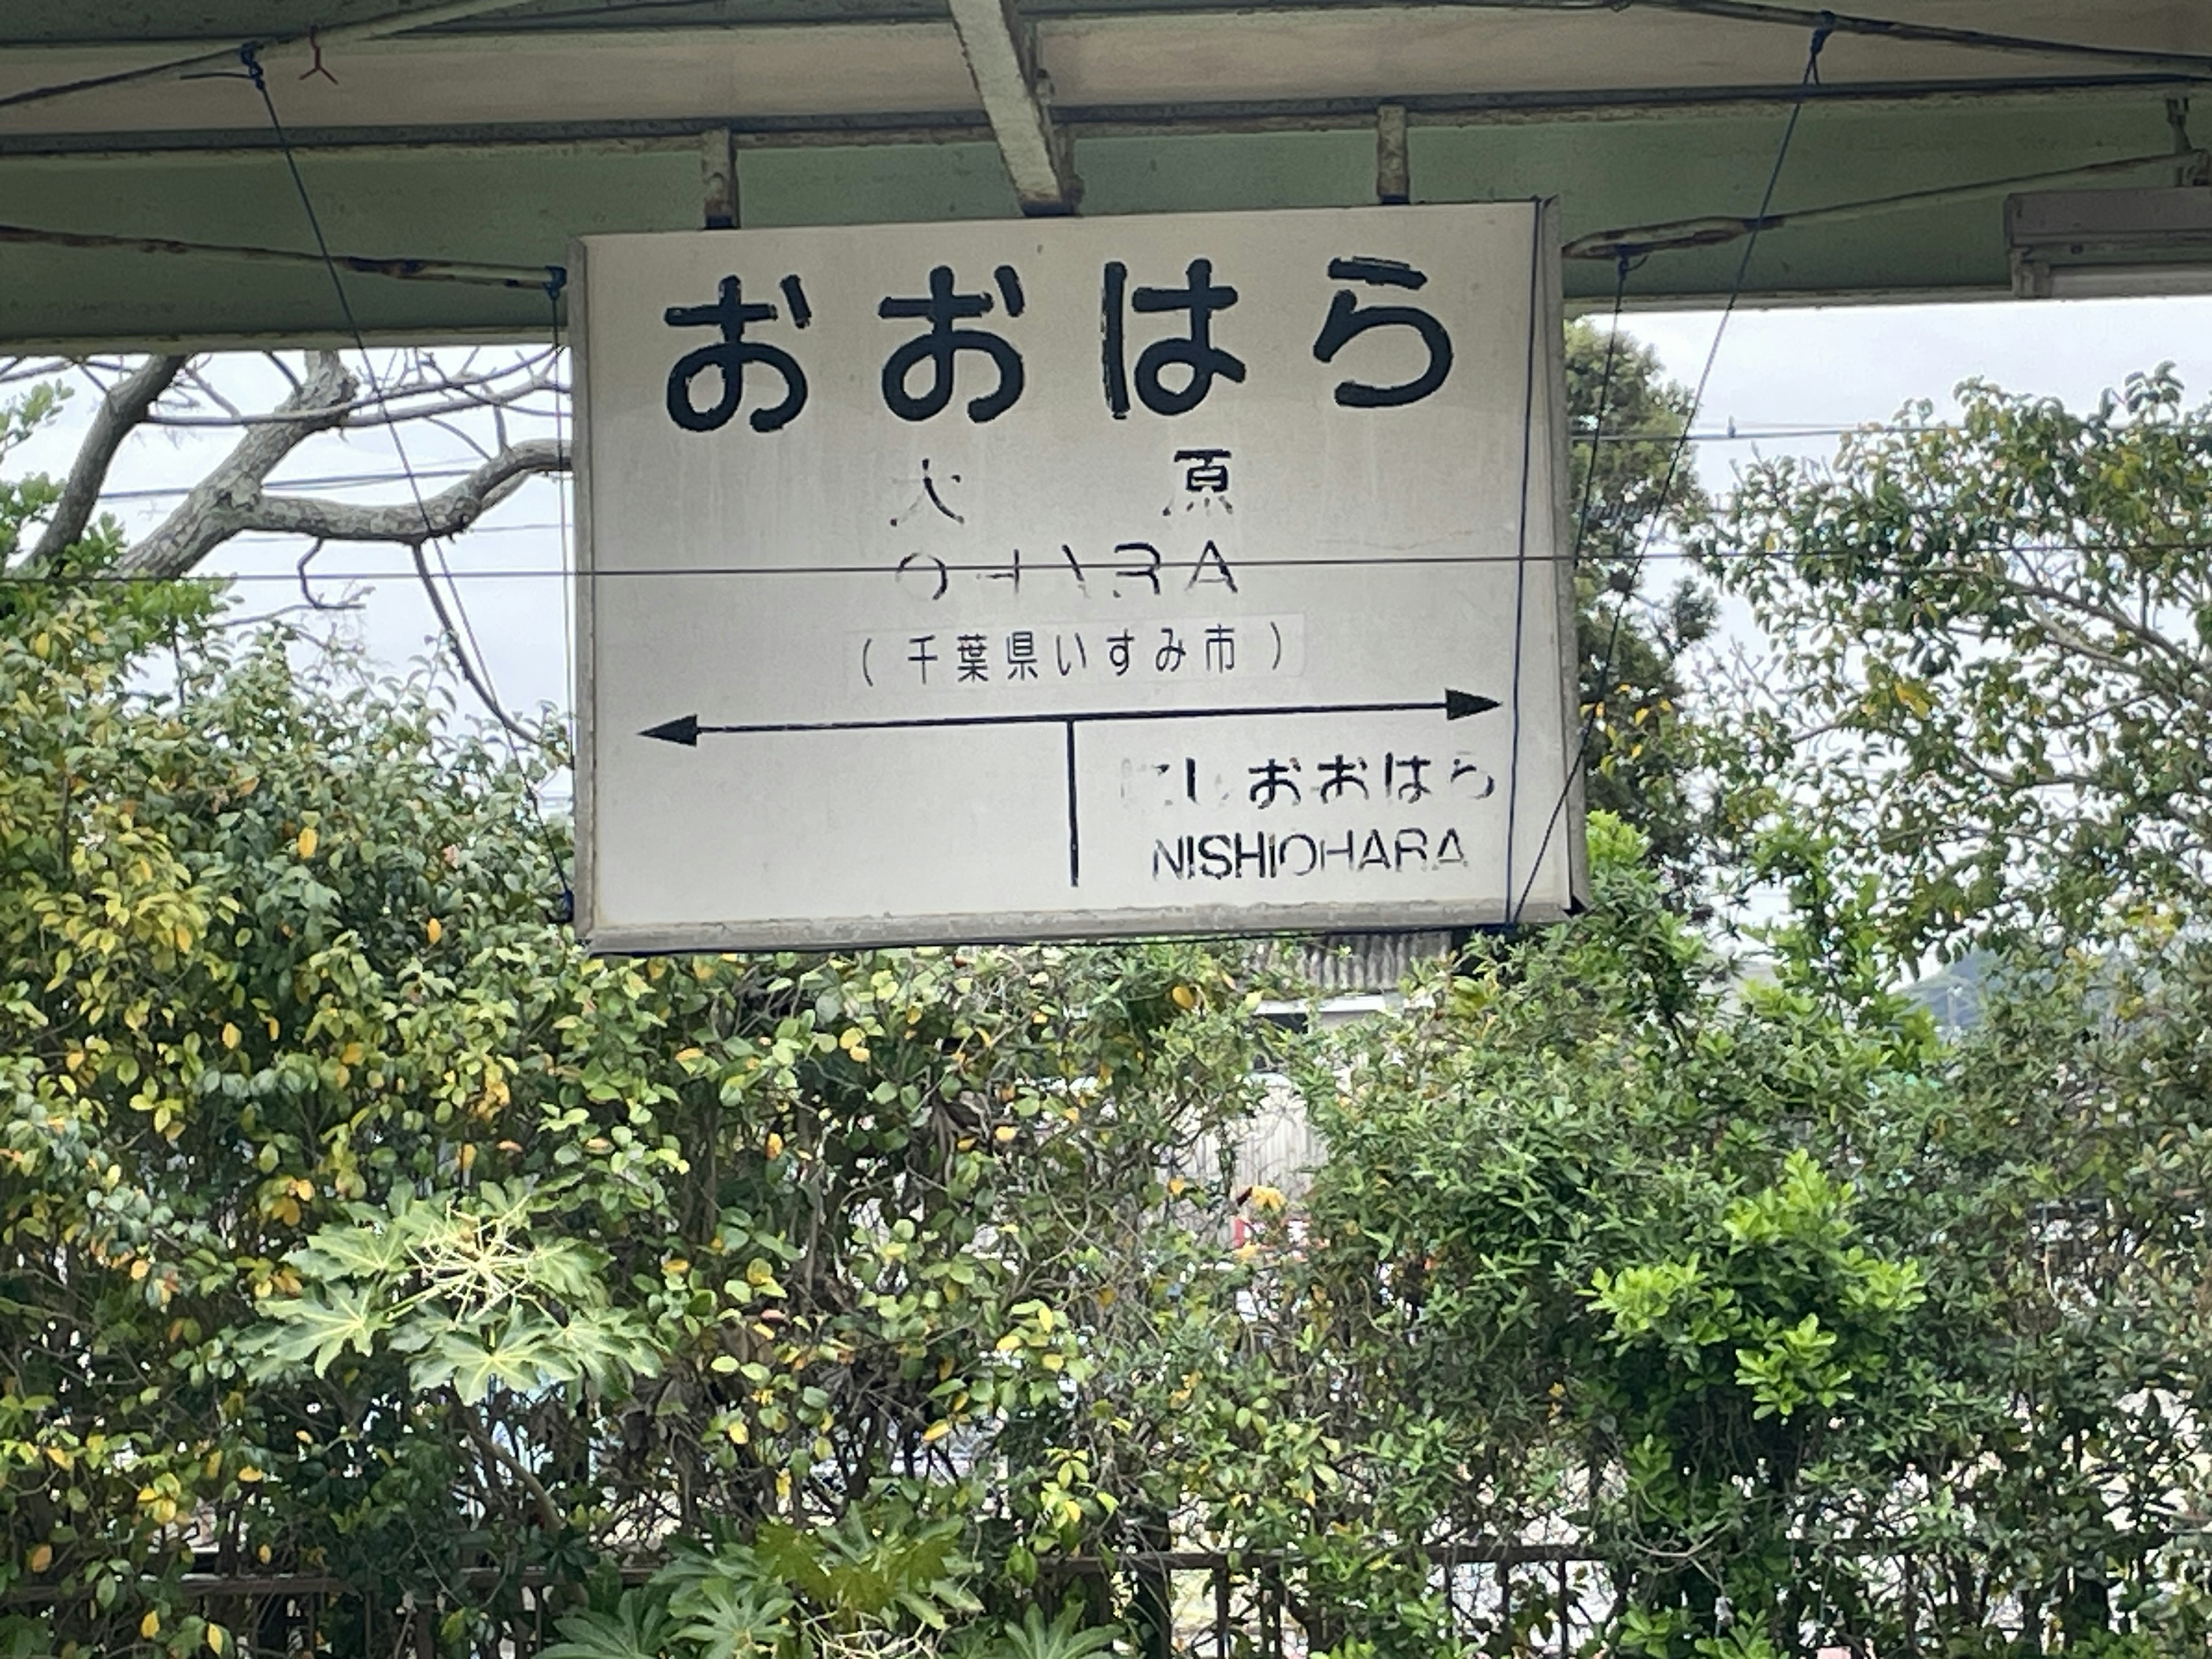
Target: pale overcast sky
1782,368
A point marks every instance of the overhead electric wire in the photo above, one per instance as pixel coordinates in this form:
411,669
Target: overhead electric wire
384,24
1515,906
1931,34
1963,562
470,671
477,672
1672,235
1714,230
1740,434
406,20
325,481
409,269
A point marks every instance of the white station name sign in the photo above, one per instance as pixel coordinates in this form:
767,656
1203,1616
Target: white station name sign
1074,579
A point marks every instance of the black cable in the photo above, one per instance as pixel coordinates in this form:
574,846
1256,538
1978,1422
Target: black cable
1747,11
474,673
1575,769
551,572
1654,435
1758,11
1574,565
470,271
251,57
1520,566
557,281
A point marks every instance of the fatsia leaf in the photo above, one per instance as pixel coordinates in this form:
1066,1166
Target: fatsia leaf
317,1328
636,1629
729,1620
353,1252
525,1361
1066,1638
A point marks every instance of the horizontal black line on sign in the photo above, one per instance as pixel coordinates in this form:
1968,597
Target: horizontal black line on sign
688,729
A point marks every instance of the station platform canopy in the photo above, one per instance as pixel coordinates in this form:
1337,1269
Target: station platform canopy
144,194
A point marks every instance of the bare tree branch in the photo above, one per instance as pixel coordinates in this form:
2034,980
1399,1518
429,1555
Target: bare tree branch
393,399
221,504
13,369
121,411
221,508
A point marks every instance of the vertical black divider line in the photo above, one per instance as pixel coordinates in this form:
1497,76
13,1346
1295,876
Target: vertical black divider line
1074,830
1511,912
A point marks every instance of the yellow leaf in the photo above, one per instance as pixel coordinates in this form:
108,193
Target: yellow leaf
676,1267
184,937
352,1054
1009,1342
1003,1134
248,1476
217,1639
775,1144
434,930
229,1035
150,1626
859,1051
306,842
42,1557
140,1268
935,1432
1184,997
468,1155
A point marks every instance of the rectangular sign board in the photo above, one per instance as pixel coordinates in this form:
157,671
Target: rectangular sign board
1188,574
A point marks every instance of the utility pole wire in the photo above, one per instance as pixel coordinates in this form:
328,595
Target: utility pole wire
230,503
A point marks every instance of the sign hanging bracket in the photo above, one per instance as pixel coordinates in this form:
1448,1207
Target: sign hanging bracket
1393,171
718,178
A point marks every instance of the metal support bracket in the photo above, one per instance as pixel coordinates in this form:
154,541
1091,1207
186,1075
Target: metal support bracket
718,178
1393,172
1001,53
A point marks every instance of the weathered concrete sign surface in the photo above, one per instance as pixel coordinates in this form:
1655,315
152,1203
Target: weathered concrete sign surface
1073,578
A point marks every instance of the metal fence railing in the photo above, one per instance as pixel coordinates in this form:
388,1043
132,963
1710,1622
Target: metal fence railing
1525,1602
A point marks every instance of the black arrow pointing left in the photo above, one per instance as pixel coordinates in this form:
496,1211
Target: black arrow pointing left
686,729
